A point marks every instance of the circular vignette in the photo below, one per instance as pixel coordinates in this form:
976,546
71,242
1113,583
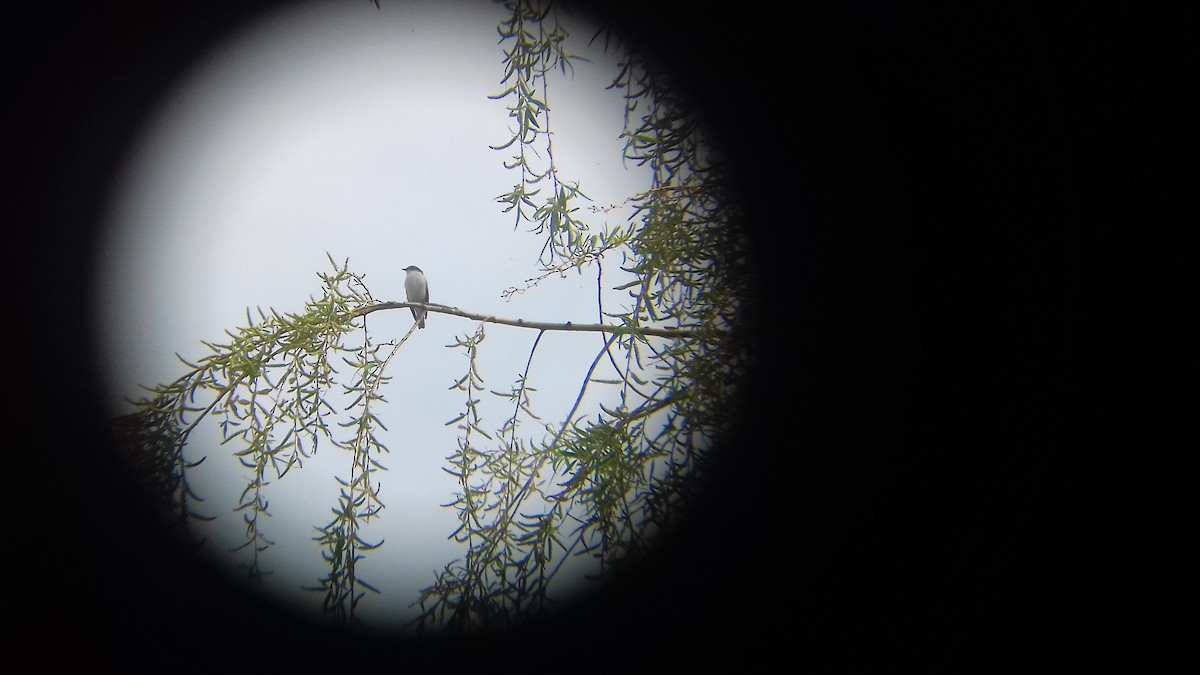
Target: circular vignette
684,568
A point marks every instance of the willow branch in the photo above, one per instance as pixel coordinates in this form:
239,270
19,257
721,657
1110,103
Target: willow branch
536,325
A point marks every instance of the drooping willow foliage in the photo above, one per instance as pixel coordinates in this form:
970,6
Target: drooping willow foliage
599,484
533,493
269,388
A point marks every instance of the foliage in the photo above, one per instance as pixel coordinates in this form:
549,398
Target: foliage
599,485
270,389
532,494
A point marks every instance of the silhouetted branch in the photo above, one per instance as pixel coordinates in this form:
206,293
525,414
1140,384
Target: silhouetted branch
537,325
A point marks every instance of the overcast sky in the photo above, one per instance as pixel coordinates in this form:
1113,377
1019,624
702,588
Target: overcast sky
334,127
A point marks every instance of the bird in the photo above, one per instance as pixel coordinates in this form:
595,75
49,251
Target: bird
417,289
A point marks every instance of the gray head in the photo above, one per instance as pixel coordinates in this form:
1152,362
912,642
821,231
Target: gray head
413,268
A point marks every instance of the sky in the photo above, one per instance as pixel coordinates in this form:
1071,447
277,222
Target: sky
338,128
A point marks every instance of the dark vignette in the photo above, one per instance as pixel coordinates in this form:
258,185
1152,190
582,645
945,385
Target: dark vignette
923,192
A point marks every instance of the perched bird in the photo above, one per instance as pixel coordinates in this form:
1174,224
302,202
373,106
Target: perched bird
418,291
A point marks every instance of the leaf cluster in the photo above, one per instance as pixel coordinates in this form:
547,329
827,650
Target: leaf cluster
268,389
603,485
502,576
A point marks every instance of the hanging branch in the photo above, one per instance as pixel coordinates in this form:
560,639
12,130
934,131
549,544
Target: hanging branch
625,473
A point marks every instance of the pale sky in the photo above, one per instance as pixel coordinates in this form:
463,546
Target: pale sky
336,127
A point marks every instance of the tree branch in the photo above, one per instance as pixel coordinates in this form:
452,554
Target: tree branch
536,325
